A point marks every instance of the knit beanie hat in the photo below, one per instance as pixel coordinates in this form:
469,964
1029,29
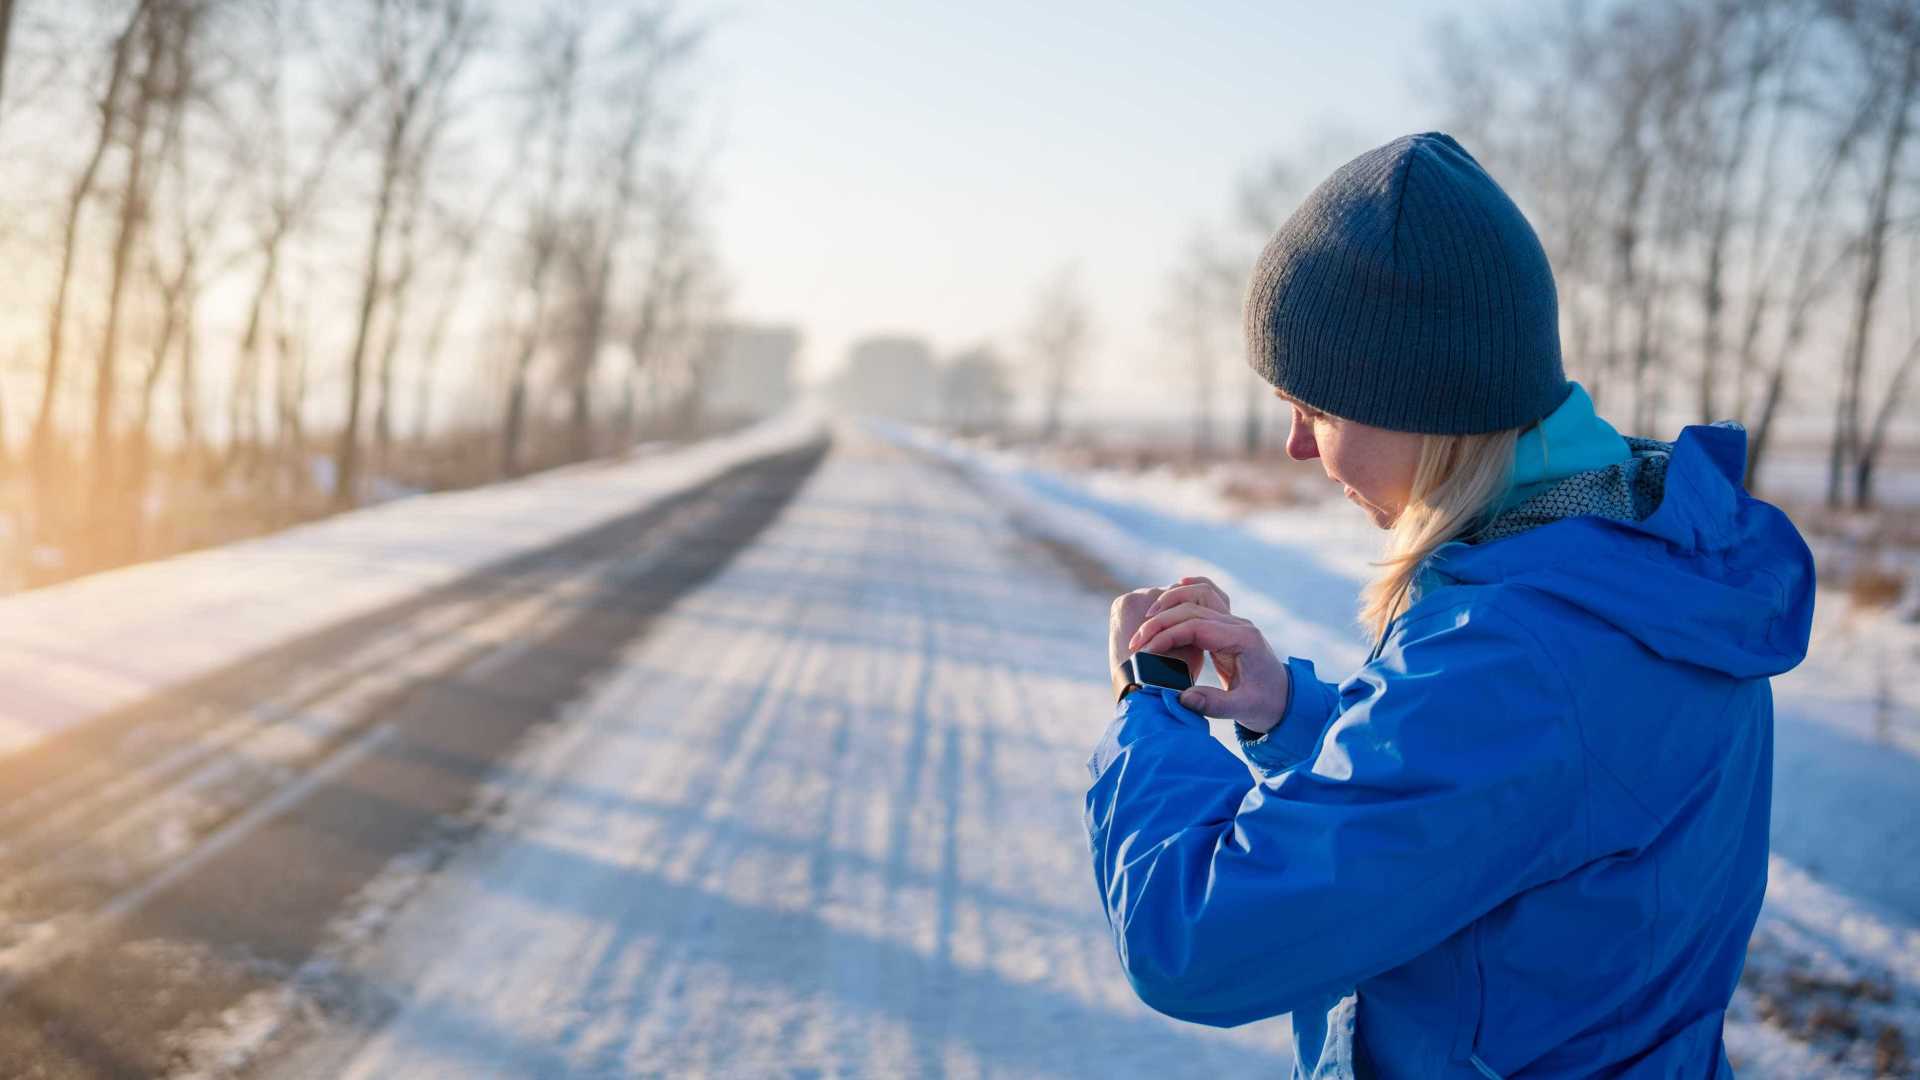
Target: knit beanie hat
1408,292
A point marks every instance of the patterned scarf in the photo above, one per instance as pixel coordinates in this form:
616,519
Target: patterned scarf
1627,491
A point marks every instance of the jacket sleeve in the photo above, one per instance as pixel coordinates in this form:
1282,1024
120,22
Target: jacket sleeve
1450,779
1311,703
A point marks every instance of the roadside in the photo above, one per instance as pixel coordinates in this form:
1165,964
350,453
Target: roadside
171,859
184,498
74,652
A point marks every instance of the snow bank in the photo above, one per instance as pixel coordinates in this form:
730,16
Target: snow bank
76,650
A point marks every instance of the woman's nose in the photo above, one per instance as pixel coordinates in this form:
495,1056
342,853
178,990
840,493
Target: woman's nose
1300,445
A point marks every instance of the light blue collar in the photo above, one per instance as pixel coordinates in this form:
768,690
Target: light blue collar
1571,439
1568,440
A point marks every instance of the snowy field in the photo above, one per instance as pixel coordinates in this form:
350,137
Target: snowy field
1836,957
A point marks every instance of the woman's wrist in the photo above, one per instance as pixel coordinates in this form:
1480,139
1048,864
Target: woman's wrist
1251,728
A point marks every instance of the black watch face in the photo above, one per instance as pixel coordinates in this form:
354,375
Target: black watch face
1154,669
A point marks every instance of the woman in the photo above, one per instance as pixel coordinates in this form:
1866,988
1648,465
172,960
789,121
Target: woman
1528,838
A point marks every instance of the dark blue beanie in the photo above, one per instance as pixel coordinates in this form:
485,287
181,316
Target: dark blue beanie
1408,292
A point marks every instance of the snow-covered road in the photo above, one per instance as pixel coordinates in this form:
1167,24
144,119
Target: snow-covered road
824,819
779,774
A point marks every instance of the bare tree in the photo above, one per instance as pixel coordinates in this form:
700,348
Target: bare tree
554,53
683,294
1728,137
1263,200
418,49
627,121
1888,36
1192,320
194,225
291,364
1057,338
166,19
974,395
1763,232
285,189
400,290
671,268
464,234
83,189
1635,86
1882,421
1792,245
6,35
291,157
1721,150
693,310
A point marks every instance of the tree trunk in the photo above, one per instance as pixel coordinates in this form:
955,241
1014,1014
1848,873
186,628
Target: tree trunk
624,425
139,442
1719,233
1877,433
1769,401
347,456
401,290
6,28
1626,233
189,387
290,390
430,357
586,360
516,418
243,406
560,74
411,94
1777,379
133,213
76,203
1846,424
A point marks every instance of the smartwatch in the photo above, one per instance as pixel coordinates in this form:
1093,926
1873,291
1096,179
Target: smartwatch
1156,669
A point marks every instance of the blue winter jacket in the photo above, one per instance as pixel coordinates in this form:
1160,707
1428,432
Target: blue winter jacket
1528,838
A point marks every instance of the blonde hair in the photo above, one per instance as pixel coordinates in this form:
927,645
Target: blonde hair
1454,486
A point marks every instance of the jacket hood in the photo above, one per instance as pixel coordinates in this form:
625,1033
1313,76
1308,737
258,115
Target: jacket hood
1667,545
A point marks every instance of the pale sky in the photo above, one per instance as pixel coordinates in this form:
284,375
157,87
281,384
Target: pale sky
922,167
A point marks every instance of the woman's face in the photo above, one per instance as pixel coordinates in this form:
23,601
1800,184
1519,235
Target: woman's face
1376,465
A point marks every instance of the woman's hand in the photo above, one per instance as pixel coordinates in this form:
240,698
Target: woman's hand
1128,612
1196,590
1194,616
1131,609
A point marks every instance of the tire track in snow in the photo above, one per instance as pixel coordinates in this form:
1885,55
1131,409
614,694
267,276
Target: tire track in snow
811,915
260,902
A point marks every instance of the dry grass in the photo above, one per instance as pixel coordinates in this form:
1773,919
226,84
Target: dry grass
1871,587
1264,480
1868,556
1843,1018
1253,490
62,522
